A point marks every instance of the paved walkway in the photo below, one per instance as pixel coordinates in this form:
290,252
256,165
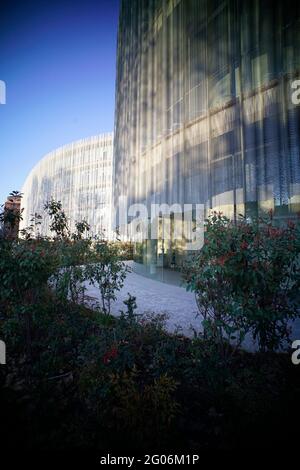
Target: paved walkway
156,297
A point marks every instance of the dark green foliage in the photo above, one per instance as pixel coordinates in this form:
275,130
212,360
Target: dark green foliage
246,279
78,378
59,221
98,382
106,271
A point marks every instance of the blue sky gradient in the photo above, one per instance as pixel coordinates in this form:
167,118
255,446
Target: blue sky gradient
58,59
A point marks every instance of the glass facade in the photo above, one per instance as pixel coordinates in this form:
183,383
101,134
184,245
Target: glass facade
80,176
204,111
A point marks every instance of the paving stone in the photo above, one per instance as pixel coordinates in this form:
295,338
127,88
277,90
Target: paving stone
157,297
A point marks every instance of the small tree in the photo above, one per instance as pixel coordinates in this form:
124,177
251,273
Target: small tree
81,228
107,272
59,221
32,231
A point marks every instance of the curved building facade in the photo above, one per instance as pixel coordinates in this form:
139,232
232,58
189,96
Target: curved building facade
80,176
204,110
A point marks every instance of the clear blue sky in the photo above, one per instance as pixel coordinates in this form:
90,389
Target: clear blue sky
58,59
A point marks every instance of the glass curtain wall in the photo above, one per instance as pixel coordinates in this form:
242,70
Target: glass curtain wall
80,176
204,112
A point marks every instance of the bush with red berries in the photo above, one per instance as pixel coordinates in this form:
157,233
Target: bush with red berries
246,280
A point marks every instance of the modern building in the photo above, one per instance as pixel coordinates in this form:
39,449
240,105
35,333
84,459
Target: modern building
80,176
204,111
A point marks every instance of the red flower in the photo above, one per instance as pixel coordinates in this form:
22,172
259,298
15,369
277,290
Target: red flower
114,352
255,265
274,232
222,259
244,245
110,354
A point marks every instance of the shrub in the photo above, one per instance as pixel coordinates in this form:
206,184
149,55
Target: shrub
246,279
106,271
30,266
81,379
